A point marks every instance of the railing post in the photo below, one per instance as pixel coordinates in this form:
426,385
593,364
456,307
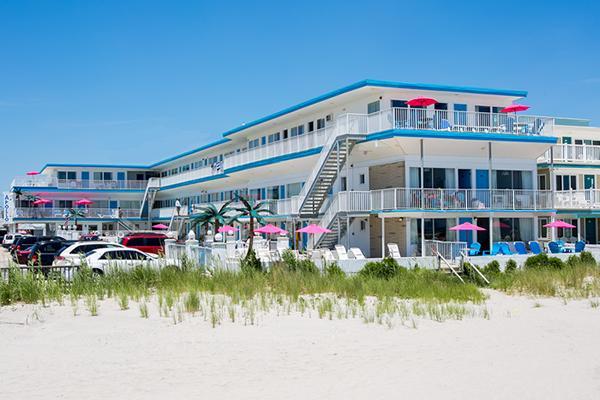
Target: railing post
514,200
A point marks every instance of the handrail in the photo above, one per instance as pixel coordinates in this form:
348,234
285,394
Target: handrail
441,258
463,256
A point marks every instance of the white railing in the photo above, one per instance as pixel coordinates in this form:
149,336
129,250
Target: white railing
190,175
101,184
575,199
290,145
447,249
565,153
56,212
34,181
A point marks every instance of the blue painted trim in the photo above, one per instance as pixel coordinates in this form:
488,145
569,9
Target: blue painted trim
476,211
52,165
194,181
86,190
547,165
495,137
273,160
188,153
33,220
377,83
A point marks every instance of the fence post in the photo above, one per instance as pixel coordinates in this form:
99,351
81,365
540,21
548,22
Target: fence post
191,246
169,249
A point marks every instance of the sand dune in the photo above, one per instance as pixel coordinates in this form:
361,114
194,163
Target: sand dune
523,351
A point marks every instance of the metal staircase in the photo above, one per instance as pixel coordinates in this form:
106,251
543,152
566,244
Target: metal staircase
152,188
337,212
178,225
125,225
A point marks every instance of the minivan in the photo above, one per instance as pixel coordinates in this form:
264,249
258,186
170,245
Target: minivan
153,243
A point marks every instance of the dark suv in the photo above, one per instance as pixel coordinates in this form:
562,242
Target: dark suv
43,253
20,250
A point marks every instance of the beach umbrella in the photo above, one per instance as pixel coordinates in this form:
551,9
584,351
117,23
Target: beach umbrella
42,201
559,224
160,226
313,229
514,108
227,229
421,102
32,173
269,229
467,226
84,202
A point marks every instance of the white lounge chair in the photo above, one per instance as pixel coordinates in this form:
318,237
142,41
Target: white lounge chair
327,255
340,252
356,253
393,250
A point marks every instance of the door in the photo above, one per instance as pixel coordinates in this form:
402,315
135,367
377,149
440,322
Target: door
85,179
464,179
482,194
121,179
483,237
465,236
590,230
589,181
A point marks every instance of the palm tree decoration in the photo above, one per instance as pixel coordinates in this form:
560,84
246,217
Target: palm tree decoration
211,215
74,213
254,210
18,193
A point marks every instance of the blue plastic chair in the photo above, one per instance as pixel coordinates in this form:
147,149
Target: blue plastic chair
554,247
520,248
445,125
579,246
535,247
475,249
495,250
505,249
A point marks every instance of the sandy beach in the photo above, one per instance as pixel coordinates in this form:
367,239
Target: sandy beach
527,349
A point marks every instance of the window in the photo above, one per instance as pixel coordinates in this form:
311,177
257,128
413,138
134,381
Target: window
321,123
363,225
294,131
275,137
373,107
566,182
542,182
62,175
398,104
285,133
311,126
506,179
343,184
251,144
361,179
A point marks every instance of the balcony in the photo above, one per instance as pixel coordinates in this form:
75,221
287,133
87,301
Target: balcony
56,212
577,199
79,184
572,153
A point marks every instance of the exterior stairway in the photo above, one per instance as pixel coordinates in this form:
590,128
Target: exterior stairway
178,225
124,225
149,195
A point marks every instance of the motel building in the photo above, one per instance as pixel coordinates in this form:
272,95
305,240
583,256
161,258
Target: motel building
358,160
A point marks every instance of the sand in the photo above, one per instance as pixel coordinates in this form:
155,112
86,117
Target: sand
528,349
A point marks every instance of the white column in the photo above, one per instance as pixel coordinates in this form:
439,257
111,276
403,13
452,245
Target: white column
552,230
382,237
491,232
536,228
422,237
578,229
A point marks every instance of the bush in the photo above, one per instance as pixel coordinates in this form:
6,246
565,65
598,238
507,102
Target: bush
542,260
470,275
251,263
493,268
293,264
333,270
510,267
587,258
384,269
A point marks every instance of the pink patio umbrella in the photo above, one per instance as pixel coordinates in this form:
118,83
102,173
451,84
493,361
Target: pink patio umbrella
84,202
467,226
559,224
160,226
421,102
39,202
270,228
227,229
32,173
313,230
514,108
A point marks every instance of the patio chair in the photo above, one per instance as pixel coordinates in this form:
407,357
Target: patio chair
474,249
340,252
356,253
554,247
505,249
535,247
393,250
579,246
445,125
264,255
494,251
327,255
520,248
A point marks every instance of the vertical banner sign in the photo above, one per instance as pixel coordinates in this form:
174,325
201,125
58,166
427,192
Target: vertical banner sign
7,208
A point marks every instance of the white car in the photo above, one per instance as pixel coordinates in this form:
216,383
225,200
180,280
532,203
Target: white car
104,260
71,255
9,239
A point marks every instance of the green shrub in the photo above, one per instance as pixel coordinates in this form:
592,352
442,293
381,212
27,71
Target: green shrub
293,264
542,260
492,268
587,258
333,270
510,267
251,263
384,269
470,275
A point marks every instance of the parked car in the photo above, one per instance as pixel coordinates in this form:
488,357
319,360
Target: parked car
21,249
9,239
147,242
43,253
104,260
72,254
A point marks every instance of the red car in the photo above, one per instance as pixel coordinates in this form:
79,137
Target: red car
147,242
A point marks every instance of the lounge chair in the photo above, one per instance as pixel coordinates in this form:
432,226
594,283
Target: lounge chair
340,252
554,247
494,251
520,248
393,250
535,247
579,246
505,249
327,255
474,249
356,253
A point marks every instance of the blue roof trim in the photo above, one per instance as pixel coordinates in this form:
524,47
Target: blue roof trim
190,152
194,181
78,219
377,83
55,165
567,165
81,190
497,137
463,211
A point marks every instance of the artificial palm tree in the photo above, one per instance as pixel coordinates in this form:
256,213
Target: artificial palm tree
18,193
211,215
254,210
74,213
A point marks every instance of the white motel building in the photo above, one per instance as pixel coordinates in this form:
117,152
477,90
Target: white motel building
360,161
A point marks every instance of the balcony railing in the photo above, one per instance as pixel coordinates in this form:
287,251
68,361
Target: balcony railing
575,153
83,184
577,199
56,212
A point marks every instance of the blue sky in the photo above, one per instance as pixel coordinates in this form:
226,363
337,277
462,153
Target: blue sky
138,81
